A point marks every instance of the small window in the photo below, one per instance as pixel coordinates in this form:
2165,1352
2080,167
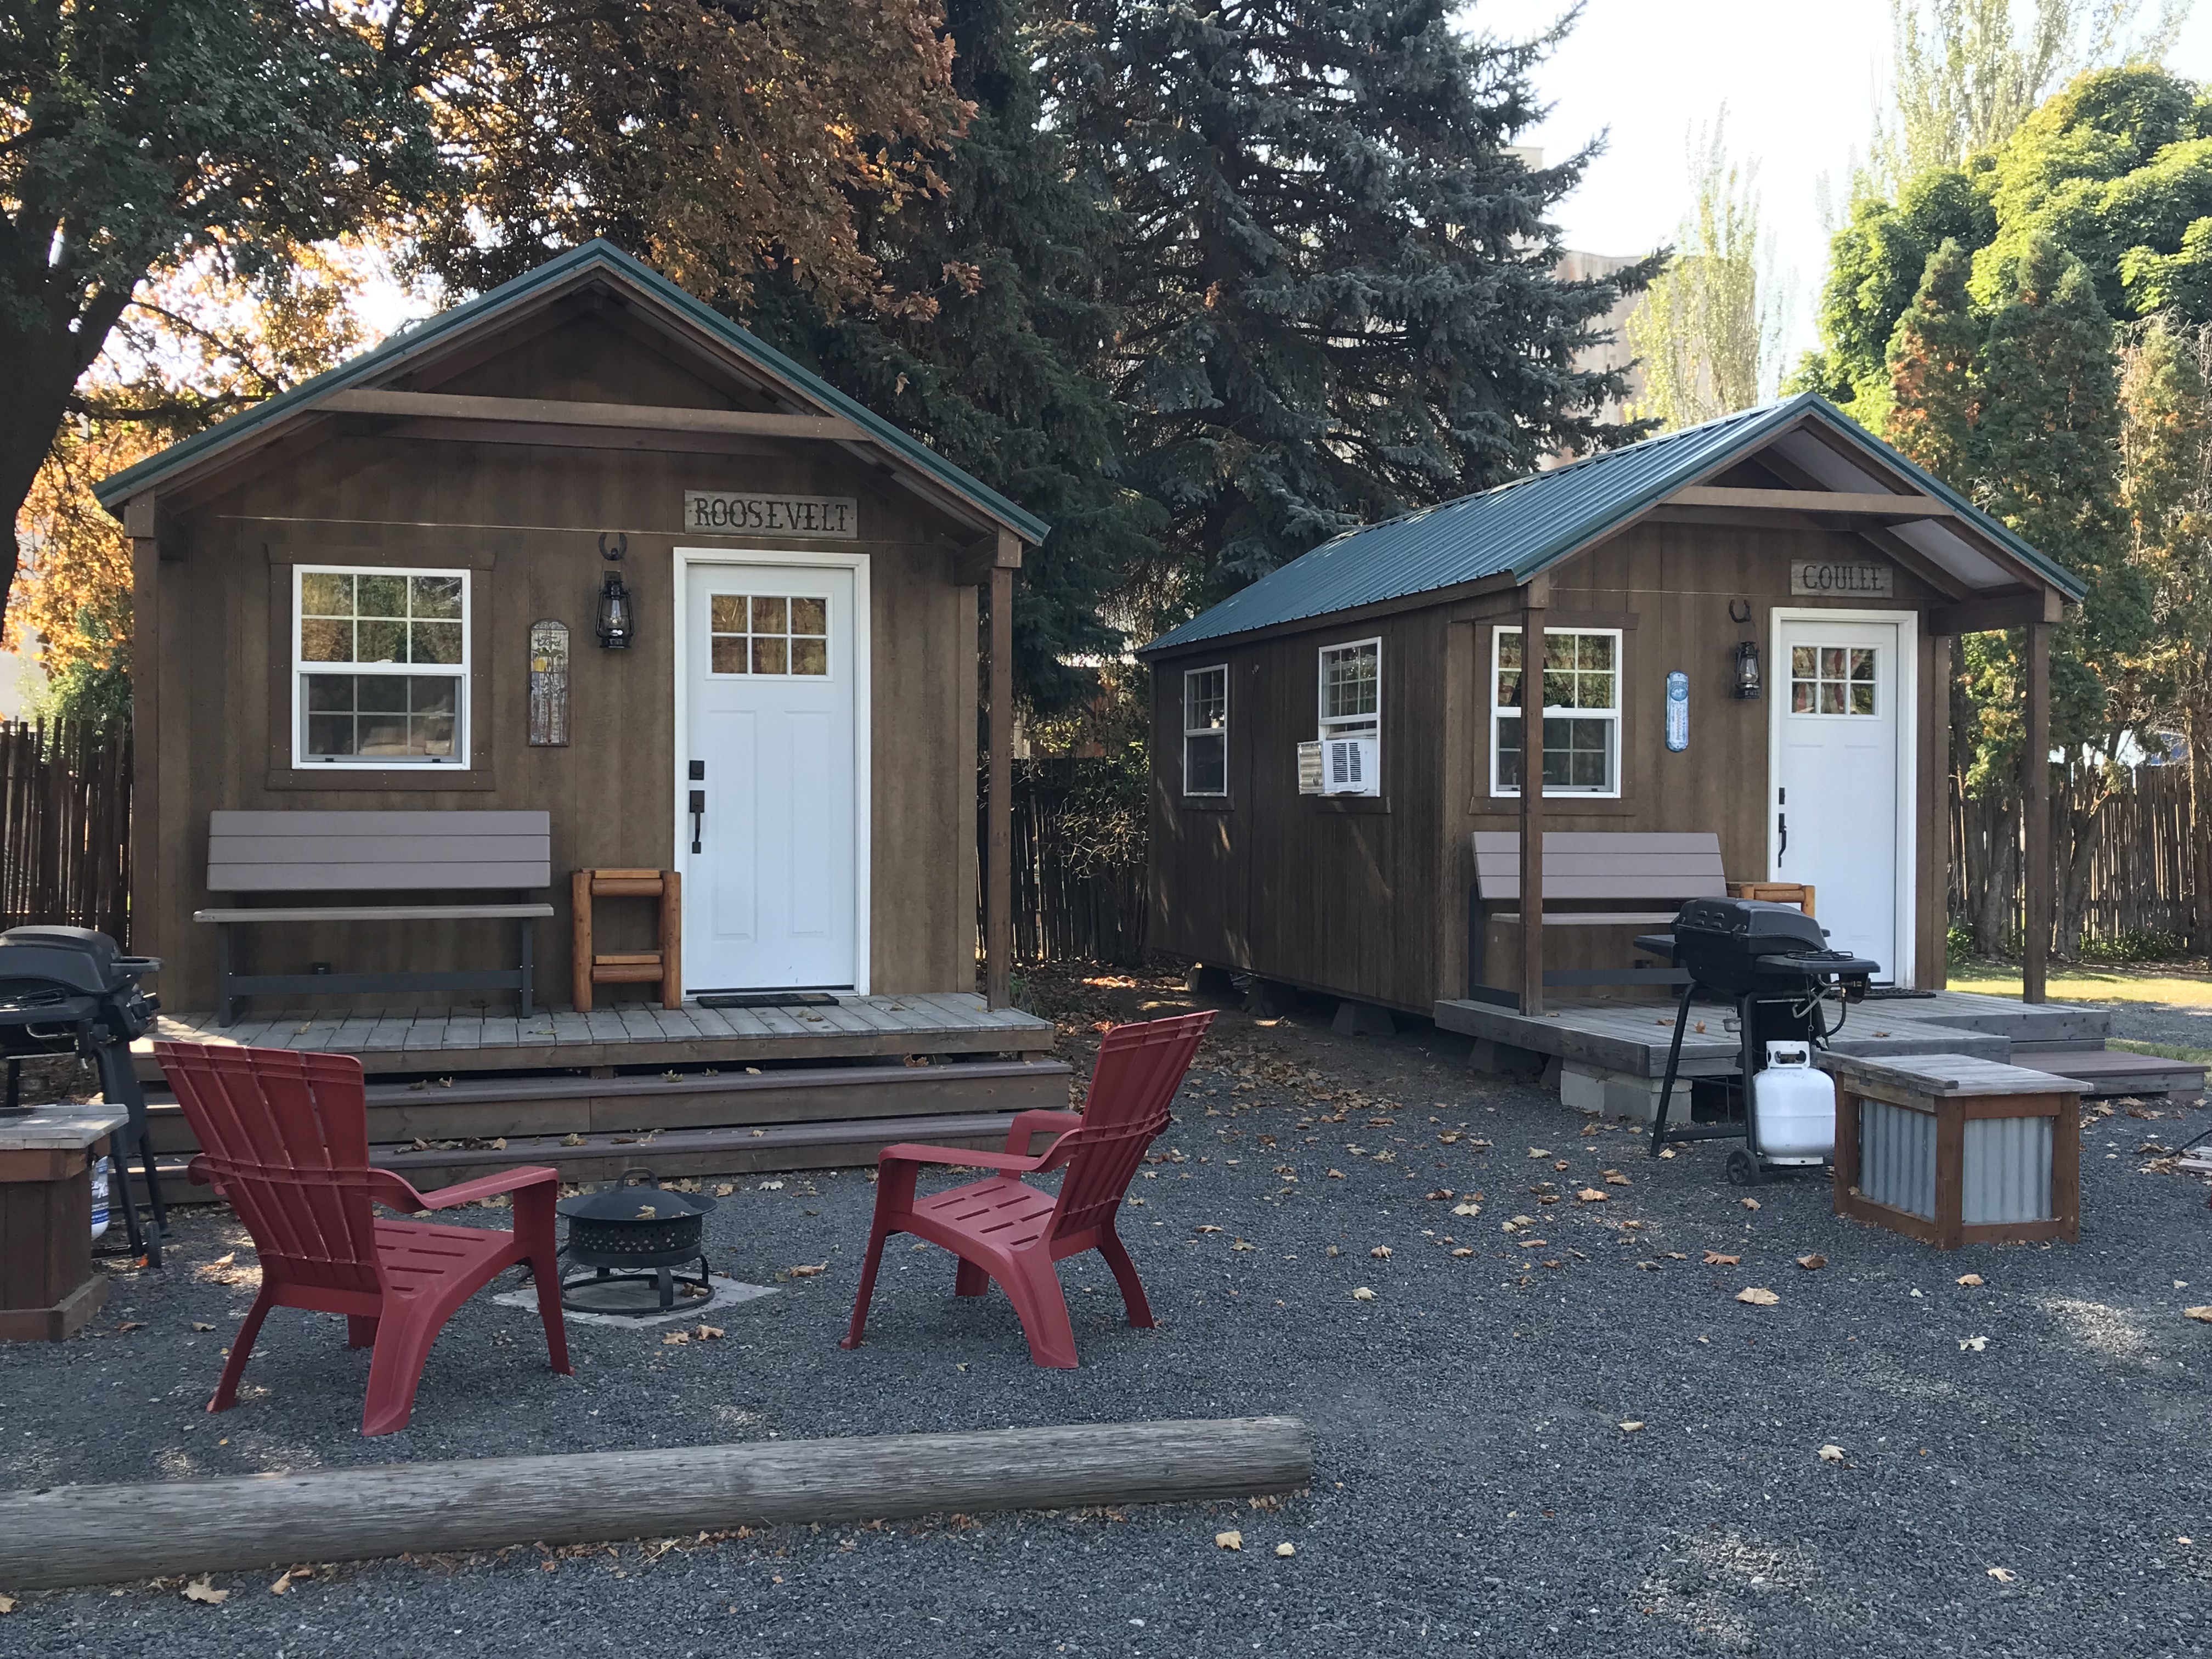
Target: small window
1352,689
1832,679
1205,730
1582,711
380,665
782,635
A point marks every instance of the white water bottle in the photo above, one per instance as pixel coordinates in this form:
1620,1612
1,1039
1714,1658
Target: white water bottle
101,1170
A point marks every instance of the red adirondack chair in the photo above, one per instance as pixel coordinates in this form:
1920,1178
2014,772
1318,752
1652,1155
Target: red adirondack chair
286,1136
1003,1228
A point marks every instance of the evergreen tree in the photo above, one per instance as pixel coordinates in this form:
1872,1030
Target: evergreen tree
1003,371
1340,280
1931,368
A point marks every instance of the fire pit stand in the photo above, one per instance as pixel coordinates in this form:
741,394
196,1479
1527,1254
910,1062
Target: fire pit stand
630,1238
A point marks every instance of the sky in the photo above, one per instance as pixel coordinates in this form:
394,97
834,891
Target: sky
1799,79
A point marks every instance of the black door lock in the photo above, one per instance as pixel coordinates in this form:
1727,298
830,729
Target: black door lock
698,814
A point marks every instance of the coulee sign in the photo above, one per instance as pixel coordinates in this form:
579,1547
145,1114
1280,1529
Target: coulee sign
1837,580
775,515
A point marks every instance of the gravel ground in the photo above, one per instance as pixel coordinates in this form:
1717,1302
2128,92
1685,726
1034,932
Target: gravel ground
1476,1492
2186,1023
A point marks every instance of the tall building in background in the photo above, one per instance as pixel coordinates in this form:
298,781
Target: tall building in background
1577,266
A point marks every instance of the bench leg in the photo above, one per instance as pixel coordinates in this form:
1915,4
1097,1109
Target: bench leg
529,967
225,1004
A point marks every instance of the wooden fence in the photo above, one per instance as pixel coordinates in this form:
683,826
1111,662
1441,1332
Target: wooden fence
65,826
1079,860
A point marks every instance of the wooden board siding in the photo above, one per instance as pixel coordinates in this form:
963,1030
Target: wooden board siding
1369,901
212,706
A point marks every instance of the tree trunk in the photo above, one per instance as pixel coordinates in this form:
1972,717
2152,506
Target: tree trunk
2198,726
1991,902
2087,793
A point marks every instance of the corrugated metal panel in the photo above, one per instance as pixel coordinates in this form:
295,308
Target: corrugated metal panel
1897,1158
2008,1172
1521,527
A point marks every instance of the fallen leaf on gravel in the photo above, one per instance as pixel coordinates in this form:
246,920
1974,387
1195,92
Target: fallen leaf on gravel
709,1332
132,1325
1831,1454
808,1271
1287,1549
1647,1266
1380,1253
7,1604
1336,1174
1440,1192
572,1141
1629,1428
1970,1279
1758,1296
1208,1228
201,1590
1715,1259
1812,1264
1666,1151
2202,1314
222,1261
723,1189
1449,1137
1228,1540
1591,1195
1539,1151
1975,1343
771,1186
198,1327
1676,1255
674,1338
1467,1209
1615,1178
1534,1243
1241,1245
291,1573
1560,1164
1750,1203
1462,1251
1363,1294
1523,1221
2003,1574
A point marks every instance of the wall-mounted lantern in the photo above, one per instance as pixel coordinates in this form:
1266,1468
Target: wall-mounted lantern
1747,652
618,622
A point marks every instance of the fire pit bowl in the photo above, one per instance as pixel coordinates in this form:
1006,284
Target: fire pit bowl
629,1237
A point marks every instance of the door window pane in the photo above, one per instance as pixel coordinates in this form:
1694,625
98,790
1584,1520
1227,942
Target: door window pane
778,633
1834,679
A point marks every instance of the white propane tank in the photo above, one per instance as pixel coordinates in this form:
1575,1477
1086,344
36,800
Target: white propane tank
1793,1106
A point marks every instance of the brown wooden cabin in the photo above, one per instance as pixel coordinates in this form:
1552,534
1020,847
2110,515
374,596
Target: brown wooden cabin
383,591
1787,531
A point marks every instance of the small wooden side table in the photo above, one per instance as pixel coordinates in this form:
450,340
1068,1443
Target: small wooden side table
1799,893
47,1286
1952,1150
664,963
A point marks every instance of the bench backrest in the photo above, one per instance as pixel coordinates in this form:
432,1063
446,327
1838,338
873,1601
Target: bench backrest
306,852
1605,865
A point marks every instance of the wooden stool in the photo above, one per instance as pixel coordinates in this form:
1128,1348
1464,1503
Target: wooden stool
665,962
1798,893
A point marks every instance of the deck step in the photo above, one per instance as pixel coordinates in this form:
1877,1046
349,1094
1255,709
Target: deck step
2110,1072
473,1109
733,1151
2077,1025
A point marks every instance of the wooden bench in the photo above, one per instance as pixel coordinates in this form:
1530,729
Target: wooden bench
371,852
1591,868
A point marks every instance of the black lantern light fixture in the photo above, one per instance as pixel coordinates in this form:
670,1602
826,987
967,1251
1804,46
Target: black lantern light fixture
1747,654
617,623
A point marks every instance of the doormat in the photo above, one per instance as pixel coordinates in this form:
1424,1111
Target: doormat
765,999
1897,993
728,1293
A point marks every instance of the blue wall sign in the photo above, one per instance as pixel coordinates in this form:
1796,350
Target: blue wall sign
1678,711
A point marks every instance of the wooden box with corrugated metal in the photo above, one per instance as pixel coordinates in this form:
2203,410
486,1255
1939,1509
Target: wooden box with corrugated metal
1953,1150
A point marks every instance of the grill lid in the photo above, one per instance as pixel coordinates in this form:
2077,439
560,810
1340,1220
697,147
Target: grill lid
627,1199
78,957
1752,926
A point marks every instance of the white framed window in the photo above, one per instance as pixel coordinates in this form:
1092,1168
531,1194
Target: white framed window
1352,689
379,667
1205,730
1833,679
1581,688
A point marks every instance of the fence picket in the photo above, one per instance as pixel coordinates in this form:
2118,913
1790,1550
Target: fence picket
65,826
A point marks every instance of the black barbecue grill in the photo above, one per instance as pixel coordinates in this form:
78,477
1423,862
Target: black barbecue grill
1773,961
72,991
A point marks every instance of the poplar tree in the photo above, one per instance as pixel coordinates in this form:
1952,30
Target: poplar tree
1931,370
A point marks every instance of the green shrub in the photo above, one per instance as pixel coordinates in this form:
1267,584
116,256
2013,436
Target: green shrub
2136,945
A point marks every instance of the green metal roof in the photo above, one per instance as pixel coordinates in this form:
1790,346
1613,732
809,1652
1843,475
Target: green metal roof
389,357
1523,528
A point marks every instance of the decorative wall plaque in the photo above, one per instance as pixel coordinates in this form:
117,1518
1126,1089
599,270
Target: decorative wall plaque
1837,579
548,684
836,516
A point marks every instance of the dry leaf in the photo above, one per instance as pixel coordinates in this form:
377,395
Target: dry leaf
1449,1137
1462,1251
2003,1574
1228,1540
1207,1227
1715,1259
2202,1314
723,1189
1831,1454
674,1338
1750,1203
1467,1209
1676,1255
1758,1296
1559,1165
290,1574
808,1271
646,1212
132,1325
201,1590
572,1141
198,1327
1441,1194
1363,1294
1974,1343
1242,1244
1380,1253
1539,1151
1336,1174
1333,1250
7,1604
1615,1178
1666,1151
1812,1264
1287,1549
1970,1279
222,1261
1591,1195
1630,1427
709,1332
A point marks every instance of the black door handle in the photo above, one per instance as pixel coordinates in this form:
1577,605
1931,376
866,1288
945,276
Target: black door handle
698,815
1780,852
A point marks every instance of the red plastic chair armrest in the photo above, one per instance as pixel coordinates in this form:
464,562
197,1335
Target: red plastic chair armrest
200,1172
909,1151
507,1181
1026,1124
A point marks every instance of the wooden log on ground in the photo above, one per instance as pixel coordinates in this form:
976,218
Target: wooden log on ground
98,1534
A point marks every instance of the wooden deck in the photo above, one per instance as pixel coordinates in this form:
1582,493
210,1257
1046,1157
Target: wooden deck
439,1040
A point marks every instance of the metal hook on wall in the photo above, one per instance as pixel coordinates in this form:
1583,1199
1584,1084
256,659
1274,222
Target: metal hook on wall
621,546
1739,620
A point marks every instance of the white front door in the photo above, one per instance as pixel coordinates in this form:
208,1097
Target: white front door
1833,821
770,756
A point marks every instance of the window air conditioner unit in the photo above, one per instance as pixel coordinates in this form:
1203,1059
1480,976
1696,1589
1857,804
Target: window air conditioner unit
1352,766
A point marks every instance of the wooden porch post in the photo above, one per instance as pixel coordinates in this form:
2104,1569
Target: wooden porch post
999,854
1534,599
2035,811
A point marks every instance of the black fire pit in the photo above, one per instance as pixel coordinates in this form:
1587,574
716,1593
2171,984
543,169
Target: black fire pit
629,1237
